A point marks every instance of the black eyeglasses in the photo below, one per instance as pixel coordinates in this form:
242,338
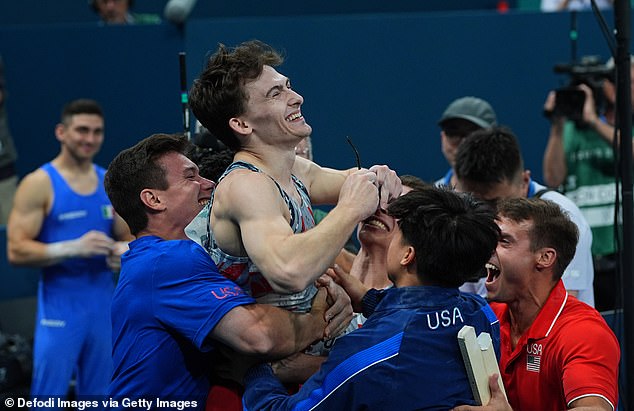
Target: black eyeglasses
356,153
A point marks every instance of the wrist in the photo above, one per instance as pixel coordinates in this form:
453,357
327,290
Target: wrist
557,127
347,213
320,329
61,249
318,326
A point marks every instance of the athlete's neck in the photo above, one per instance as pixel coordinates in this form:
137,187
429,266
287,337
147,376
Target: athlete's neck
273,162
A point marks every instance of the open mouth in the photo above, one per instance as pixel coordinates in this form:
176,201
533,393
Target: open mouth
295,116
493,272
374,222
203,202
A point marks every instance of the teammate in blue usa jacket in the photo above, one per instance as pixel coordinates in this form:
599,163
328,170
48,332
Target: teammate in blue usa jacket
406,356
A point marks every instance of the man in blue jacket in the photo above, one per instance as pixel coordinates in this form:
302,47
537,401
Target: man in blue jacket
406,356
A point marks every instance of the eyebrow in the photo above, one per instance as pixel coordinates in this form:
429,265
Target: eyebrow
88,128
272,89
507,236
278,87
190,168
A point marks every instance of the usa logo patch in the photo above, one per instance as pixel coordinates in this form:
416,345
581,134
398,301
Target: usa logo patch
533,362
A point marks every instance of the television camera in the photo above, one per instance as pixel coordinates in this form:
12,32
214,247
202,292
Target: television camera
569,100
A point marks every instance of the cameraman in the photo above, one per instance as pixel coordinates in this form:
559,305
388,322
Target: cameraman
579,160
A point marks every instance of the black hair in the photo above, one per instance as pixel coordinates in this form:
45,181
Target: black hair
219,93
487,157
453,234
551,227
136,169
413,182
80,106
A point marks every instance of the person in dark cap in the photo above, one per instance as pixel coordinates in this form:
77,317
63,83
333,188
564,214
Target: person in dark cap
462,117
489,164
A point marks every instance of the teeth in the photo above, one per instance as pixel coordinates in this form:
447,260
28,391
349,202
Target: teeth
376,223
492,271
294,116
203,202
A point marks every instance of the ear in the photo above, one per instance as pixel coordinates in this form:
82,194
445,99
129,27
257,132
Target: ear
240,126
409,256
526,178
59,131
546,258
151,199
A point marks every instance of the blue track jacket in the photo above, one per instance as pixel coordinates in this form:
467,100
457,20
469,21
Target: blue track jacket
405,357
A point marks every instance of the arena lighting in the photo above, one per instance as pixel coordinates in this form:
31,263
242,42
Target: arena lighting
177,11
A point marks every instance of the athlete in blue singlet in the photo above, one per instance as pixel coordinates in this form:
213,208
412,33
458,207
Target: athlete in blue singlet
63,221
73,328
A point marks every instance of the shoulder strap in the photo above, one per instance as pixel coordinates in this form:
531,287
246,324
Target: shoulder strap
542,192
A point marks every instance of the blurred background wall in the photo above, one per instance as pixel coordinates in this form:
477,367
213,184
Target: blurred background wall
379,72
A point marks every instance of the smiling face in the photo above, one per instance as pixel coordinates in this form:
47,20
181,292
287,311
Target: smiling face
377,230
81,136
273,110
511,266
187,192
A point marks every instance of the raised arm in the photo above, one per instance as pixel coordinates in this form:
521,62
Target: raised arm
289,261
590,117
325,183
555,168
